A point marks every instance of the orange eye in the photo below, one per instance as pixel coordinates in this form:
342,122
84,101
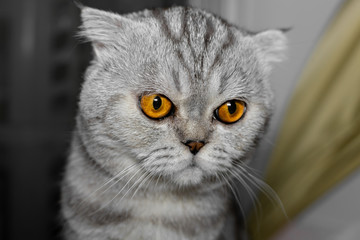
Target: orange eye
155,106
231,111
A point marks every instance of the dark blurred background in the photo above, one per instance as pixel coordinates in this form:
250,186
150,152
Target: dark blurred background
41,68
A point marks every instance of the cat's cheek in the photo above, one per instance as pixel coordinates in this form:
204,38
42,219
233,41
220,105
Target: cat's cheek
126,123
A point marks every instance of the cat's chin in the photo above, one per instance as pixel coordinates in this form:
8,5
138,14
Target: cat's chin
190,176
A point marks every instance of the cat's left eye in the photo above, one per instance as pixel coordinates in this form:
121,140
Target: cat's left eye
156,106
231,111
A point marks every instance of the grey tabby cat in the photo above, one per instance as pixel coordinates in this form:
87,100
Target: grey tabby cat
171,108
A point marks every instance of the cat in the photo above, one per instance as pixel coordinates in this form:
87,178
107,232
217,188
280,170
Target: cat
171,108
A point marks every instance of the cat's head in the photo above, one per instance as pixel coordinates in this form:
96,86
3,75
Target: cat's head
180,92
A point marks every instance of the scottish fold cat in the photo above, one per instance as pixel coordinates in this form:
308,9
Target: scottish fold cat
171,108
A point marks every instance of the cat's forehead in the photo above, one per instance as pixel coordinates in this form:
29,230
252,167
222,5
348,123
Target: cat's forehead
198,38
194,24
204,53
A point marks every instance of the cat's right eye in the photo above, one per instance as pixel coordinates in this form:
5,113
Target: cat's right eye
230,111
156,106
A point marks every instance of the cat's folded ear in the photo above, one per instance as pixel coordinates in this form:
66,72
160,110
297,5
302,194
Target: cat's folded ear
272,45
105,30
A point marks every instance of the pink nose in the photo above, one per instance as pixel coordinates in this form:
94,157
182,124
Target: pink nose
194,146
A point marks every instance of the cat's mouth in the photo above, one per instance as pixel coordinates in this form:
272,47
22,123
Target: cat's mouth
193,163
191,175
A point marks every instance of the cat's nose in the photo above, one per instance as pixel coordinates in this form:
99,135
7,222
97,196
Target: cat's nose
194,146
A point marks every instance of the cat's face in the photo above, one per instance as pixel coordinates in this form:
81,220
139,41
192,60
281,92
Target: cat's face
181,93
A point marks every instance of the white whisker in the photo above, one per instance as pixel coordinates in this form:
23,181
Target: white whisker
146,178
122,173
138,181
118,192
235,196
265,189
253,197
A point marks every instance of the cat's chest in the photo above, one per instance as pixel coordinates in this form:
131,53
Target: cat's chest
169,218
173,207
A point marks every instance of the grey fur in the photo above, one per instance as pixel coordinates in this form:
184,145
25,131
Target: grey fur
157,188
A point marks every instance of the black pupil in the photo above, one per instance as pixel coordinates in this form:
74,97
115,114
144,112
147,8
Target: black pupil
157,102
231,107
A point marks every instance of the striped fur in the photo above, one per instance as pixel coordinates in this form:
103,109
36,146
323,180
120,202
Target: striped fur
131,177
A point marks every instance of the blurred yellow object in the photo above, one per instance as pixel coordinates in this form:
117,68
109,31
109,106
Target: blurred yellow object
319,142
